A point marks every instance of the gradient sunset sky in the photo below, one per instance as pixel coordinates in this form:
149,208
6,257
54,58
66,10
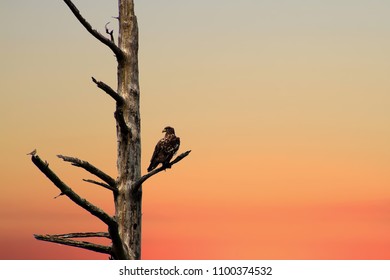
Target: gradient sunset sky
285,105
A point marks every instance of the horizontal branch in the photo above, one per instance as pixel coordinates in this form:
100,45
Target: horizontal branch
97,212
106,88
117,51
74,243
82,235
90,168
137,184
104,185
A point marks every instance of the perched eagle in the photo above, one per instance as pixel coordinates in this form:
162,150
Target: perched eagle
165,149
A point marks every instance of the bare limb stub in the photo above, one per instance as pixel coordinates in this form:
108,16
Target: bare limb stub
57,196
121,120
137,184
109,91
111,33
117,51
74,243
97,212
90,168
104,185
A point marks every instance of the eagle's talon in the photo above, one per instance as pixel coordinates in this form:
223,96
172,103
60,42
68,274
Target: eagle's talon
167,166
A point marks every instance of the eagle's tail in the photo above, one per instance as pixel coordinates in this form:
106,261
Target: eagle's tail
152,166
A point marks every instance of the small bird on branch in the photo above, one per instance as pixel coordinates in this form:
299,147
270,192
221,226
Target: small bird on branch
32,153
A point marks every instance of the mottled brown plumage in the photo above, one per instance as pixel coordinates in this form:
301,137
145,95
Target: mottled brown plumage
165,149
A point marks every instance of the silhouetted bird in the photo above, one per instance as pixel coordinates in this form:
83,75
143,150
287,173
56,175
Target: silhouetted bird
165,149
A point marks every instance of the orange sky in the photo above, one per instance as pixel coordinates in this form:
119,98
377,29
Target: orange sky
285,106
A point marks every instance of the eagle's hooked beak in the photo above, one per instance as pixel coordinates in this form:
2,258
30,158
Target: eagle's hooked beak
164,130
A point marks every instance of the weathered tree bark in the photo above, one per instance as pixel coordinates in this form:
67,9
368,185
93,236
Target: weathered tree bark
124,229
128,200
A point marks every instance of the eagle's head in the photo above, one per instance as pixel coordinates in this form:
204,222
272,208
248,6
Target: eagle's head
169,130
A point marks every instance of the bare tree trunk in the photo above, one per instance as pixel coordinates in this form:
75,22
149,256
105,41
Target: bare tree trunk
128,200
